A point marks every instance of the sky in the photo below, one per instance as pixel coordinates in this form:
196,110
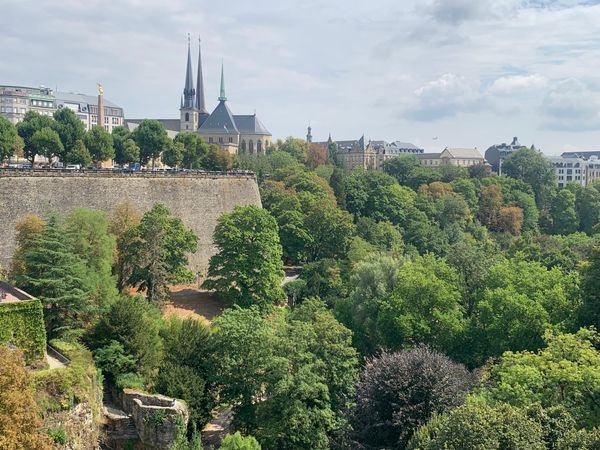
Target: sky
437,73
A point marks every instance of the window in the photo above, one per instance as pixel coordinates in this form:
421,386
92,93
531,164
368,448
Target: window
187,117
259,146
220,140
244,146
251,147
106,120
230,139
210,140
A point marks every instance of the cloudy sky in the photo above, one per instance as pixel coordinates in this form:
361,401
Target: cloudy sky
467,72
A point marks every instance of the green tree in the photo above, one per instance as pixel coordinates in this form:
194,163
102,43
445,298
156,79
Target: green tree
70,129
184,372
474,427
79,154
564,373
298,148
87,231
151,138
8,137
563,213
173,154
157,250
194,149
588,208
401,167
217,159
99,142
330,230
532,167
123,219
337,183
247,268
236,441
31,123
590,287
134,324
120,136
55,275
46,142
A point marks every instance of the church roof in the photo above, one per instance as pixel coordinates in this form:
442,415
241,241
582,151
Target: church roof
221,120
464,153
249,124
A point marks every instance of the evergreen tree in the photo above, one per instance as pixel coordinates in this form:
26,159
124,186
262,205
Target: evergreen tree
55,275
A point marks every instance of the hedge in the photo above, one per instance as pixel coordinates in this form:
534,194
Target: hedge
22,324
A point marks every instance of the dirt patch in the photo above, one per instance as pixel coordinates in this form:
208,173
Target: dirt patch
189,301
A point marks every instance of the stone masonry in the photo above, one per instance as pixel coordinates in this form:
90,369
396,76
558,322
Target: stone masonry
197,198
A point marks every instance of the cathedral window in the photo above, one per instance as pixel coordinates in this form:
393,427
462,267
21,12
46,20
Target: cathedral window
187,117
251,147
244,146
258,146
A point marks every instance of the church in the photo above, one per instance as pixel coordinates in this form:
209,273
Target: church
243,134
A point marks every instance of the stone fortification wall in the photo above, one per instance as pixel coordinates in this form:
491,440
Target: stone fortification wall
198,199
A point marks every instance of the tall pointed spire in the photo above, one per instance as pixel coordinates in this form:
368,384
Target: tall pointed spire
188,90
222,97
200,102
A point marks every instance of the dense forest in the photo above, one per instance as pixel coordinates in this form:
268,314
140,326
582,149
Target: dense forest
443,308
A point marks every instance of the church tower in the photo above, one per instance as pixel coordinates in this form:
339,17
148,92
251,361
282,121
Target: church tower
309,134
188,117
200,101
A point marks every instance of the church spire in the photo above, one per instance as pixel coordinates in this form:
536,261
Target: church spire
188,90
200,102
222,97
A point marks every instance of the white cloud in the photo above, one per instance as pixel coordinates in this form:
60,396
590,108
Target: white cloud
571,106
445,97
518,84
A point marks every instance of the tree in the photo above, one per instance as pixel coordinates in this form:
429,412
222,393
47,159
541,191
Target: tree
79,154
491,201
55,275
173,154
564,373
151,138
184,372
563,213
298,148
28,230
217,159
590,289
134,324
236,441
47,143
194,149
20,424
532,167
70,129
87,232
399,392
337,183
330,230
475,427
126,150
588,208
99,142
401,167
510,219
316,155
8,138
123,219
157,250
247,268
31,123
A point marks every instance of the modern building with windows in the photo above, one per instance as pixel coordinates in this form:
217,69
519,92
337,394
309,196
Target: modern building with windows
582,168
16,101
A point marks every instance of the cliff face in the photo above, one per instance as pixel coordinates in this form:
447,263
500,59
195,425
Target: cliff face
198,199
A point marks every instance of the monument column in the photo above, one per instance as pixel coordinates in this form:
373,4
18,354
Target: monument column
100,105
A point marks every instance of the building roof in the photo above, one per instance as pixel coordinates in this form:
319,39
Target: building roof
582,154
464,153
172,126
428,155
249,124
220,121
9,293
81,99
